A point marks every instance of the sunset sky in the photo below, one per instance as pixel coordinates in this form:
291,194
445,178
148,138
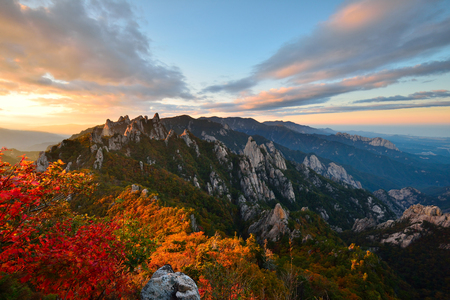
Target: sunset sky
379,65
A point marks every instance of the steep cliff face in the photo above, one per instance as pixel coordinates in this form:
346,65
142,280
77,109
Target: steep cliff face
377,142
263,168
332,171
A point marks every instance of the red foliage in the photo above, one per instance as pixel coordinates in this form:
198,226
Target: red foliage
45,244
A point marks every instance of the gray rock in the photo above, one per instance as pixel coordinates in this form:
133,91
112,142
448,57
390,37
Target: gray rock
165,284
42,162
377,142
98,159
272,225
332,171
363,224
135,188
190,142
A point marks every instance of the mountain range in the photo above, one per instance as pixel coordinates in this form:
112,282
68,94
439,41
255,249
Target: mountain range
266,179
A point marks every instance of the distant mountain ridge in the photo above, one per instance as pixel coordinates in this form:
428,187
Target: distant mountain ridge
28,140
388,168
254,178
300,128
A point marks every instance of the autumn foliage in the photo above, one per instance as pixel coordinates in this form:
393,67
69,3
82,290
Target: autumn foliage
46,244
54,250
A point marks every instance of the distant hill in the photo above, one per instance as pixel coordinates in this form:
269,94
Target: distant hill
28,140
13,156
301,128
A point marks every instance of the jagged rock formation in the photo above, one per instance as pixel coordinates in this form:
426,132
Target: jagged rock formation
411,224
332,171
272,224
258,177
262,168
124,130
165,284
377,142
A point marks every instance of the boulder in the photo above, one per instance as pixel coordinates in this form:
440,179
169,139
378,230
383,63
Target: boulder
165,284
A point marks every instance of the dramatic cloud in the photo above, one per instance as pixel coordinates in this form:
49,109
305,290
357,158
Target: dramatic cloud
414,96
321,92
365,45
86,51
361,37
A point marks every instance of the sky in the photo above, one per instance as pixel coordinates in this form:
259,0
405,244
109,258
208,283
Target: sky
377,65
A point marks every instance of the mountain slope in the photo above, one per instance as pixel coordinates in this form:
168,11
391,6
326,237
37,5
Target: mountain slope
399,172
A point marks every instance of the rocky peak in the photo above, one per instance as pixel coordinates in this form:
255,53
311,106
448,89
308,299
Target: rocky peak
377,142
433,214
414,218
253,152
332,171
189,141
272,224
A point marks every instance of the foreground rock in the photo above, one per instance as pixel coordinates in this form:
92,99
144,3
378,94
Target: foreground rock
165,284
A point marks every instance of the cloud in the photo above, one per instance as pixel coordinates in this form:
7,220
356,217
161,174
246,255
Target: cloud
361,37
315,93
414,96
83,50
232,86
353,108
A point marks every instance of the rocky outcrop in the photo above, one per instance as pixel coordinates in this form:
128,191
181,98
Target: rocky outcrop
377,142
264,167
191,143
216,185
272,224
414,218
363,224
98,159
391,202
42,162
253,152
165,284
332,171
251,185
115,135
406,196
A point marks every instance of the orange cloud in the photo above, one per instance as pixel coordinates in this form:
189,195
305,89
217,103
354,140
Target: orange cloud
62,50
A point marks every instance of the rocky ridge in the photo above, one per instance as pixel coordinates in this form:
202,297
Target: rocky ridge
413,219
377,142
332,171
255,180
